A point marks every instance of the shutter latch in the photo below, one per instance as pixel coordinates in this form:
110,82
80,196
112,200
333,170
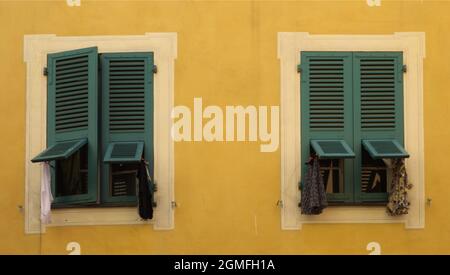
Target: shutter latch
404,69
155,69
45,71
299,68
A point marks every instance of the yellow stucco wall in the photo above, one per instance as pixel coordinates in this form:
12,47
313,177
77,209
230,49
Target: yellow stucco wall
226,191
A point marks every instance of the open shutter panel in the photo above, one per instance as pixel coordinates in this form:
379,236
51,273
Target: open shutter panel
127,119
60,150
124,152
384,149
378,84
332,149
72,98
327,110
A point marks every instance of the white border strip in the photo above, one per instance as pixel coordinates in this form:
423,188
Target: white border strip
290,44
36,48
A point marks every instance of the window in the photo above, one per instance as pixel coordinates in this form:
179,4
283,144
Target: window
116,150
352,118
371,149
80,102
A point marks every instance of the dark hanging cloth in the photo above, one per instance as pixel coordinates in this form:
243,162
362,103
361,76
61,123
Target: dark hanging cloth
313,196
145,192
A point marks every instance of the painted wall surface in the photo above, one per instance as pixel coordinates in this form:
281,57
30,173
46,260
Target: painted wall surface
226,192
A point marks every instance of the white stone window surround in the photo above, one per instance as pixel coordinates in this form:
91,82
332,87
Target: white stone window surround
290,44
36,48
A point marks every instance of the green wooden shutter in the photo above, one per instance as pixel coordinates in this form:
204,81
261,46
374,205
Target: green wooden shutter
327,107
332,149
72,87
382,148
60,150
124,152
127,121
378,90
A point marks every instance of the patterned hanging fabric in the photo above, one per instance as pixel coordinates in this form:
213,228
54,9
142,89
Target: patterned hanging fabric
313,196
398,197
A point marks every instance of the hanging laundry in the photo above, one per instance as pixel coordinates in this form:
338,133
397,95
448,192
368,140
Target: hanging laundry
313,197
46,194
145,192
398,203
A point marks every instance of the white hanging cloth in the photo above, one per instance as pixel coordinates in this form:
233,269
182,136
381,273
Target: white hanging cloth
46,194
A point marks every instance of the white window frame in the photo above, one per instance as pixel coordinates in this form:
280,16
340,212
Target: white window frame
36,48
290,44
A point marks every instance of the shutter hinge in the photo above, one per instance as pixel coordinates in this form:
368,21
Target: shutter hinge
45,71
280,204
404,68
155,69
299,68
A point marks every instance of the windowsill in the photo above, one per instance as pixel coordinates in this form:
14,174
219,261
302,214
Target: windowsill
338,204
103,205
352,214
98,216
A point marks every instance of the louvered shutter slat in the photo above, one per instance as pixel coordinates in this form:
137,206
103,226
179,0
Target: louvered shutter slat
326,93
384,79
378,85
